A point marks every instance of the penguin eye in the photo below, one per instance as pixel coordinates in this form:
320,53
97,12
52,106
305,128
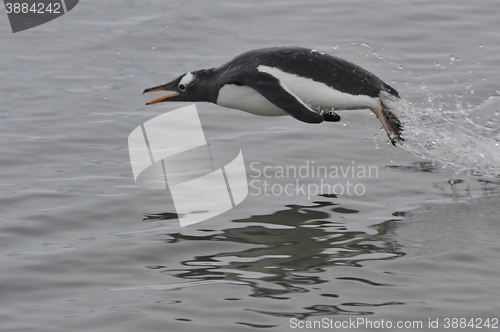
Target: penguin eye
182,87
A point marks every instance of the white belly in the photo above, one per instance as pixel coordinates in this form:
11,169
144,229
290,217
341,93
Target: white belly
318,96
248,100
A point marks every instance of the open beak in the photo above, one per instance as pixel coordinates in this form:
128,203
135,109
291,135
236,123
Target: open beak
160,88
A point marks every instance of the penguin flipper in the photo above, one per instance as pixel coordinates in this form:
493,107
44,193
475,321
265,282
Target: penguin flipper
277,93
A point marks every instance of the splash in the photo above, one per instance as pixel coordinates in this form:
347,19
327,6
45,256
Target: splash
463,138
466,140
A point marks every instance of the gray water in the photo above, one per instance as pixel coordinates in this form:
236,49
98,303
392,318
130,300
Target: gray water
83,248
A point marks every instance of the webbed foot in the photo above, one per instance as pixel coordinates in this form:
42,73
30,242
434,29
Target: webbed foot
330,116
394,126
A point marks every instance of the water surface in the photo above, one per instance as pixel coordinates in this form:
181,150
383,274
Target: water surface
83,248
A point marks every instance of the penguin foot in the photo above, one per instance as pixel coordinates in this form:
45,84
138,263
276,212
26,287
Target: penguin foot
395,126
330,116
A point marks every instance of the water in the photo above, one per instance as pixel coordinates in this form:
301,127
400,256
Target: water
83,248
463,139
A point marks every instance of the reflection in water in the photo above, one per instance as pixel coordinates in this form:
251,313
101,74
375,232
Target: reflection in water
288,252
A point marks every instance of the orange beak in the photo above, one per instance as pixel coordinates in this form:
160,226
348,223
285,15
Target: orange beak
157,100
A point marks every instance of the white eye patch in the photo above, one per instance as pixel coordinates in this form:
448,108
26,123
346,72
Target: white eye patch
188,78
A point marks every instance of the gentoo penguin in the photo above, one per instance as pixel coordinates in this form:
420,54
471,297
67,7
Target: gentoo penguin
306,84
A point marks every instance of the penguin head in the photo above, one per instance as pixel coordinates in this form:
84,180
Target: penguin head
192,86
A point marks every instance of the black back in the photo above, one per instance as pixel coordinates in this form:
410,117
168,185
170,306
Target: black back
332,71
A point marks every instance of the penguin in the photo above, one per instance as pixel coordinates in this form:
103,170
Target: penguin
307,84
